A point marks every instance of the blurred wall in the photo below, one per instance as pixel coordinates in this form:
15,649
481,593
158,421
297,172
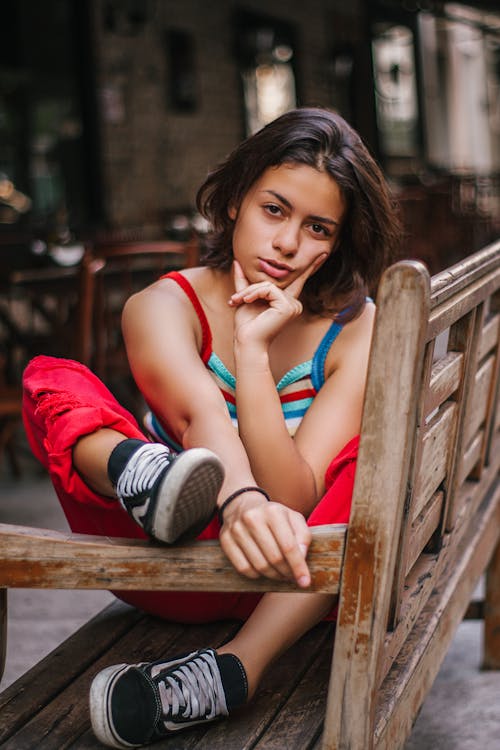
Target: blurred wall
154,157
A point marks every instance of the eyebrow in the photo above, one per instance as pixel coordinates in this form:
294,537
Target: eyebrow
319,219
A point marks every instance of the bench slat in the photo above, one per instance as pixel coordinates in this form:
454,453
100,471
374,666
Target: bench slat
471,456
452,280
422,529
418,663
421,580
489,337
256,724
62,720
301,720
445,379
452,309
20,701
437,443
479,402
46,559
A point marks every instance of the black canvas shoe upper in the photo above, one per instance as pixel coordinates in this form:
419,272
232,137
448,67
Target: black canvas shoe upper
149,701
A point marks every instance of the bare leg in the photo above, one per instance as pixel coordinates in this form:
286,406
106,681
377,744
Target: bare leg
276,623
90,458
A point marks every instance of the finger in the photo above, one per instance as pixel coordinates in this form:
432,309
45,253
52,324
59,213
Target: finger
270,562
302,532
293,550
237,557
259,546
296,286
269,294
261,562
240,280
249,561
263,290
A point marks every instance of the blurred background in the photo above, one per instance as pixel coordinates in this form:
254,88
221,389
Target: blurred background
112,112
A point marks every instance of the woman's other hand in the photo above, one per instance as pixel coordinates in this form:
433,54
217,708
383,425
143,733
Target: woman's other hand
263,308
268,539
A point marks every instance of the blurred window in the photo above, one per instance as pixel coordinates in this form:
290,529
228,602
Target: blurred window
266,53
395,89
461,89
437,87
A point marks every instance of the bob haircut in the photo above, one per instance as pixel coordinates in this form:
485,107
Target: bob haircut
370,230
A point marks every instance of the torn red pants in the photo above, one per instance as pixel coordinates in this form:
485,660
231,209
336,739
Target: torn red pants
63,401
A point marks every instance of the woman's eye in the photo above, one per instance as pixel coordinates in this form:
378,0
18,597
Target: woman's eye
273,209
320,229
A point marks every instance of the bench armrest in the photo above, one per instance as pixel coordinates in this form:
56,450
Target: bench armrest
39,558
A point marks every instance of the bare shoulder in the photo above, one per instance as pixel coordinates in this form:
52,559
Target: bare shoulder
359,331
166,294
354,341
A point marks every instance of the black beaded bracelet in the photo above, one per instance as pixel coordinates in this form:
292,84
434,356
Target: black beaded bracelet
235,495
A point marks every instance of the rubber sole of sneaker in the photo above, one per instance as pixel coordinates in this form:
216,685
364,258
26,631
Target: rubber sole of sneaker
100,709
186,498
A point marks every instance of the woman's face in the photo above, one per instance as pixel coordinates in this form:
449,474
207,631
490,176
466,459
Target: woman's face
289,217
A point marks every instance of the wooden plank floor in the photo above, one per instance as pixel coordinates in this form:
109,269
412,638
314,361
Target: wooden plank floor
48,707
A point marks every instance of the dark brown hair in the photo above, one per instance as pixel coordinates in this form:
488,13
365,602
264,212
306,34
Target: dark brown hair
370,230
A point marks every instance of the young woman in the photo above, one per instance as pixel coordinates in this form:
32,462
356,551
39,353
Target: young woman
253,366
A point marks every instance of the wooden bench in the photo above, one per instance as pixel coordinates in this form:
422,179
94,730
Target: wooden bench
424,527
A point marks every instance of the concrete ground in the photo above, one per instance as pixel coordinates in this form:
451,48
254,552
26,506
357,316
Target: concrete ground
462,712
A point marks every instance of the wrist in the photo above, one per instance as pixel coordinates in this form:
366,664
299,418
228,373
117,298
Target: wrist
237,494
251,354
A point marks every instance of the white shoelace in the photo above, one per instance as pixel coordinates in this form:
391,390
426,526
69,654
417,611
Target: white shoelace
143,469
193,691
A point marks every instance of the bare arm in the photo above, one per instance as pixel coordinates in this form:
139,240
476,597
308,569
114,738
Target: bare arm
292,470
162,337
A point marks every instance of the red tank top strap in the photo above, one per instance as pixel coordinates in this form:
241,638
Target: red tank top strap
206,340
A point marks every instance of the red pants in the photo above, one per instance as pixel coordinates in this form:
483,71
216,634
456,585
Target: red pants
63,400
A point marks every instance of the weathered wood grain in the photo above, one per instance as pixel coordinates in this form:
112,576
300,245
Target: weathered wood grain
465,273
20,702
47,559
379,494
418,663
61,721
445,380
489,337
422,528
479,401
433,457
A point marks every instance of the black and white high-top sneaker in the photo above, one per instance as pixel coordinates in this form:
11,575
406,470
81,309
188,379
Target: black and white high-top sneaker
170,496
132,705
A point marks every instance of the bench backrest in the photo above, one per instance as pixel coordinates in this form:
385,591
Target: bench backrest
429,451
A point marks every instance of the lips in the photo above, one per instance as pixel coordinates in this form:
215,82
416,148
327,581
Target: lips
273,268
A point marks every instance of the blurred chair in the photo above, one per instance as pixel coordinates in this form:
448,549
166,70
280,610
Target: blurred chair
109,274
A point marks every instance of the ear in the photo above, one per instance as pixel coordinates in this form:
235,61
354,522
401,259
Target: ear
232,212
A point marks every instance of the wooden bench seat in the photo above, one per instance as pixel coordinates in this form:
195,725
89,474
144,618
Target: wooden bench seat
57,714
424,527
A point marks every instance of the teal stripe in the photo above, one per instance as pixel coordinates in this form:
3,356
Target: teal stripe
299,406
219,368
231,409
296,373
294,413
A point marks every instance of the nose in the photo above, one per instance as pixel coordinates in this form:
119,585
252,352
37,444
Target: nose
286,238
